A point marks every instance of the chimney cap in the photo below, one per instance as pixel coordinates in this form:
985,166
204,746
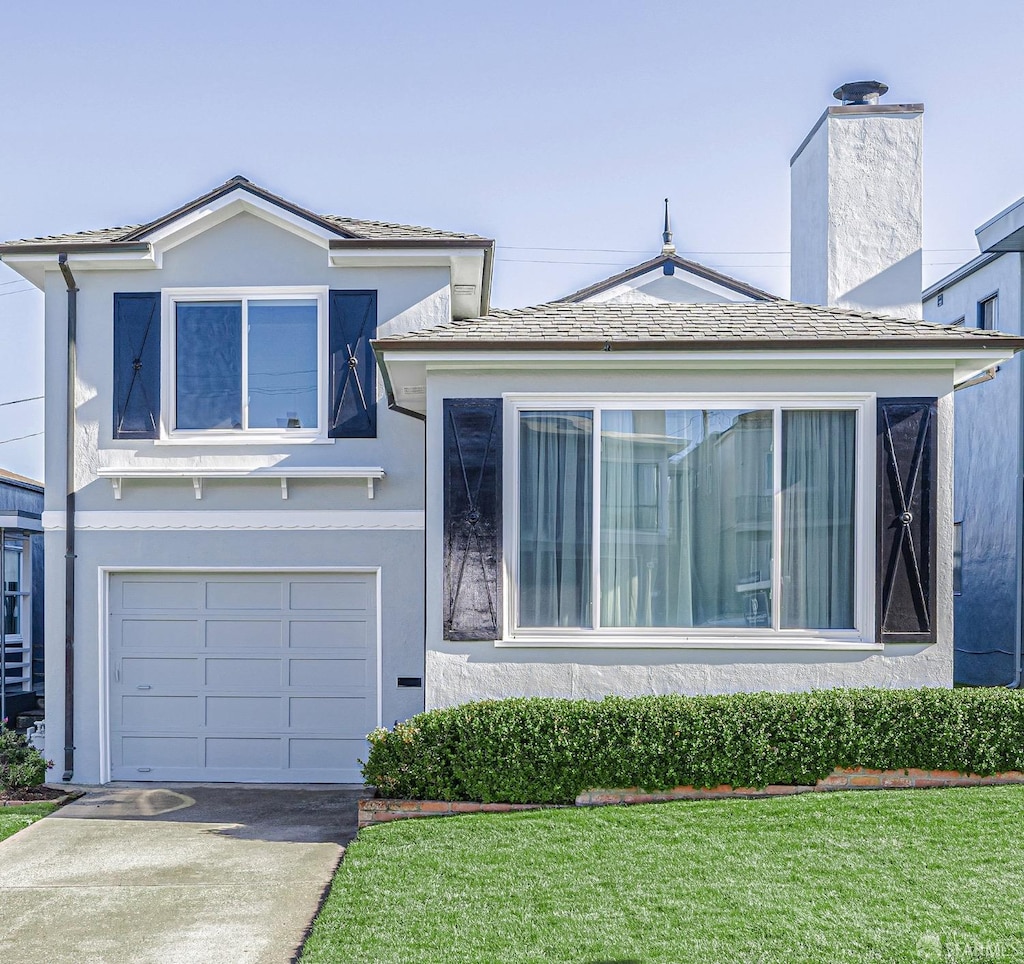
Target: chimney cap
860,92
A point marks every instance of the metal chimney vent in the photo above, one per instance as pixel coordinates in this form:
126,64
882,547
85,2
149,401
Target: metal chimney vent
860,92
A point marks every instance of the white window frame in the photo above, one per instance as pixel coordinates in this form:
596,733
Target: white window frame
171,298
862,636
23,639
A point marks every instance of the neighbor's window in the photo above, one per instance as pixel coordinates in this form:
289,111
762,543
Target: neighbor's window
987,313
246,364
673,518
14,619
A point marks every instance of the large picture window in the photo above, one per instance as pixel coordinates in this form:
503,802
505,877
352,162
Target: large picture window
247,364
687,518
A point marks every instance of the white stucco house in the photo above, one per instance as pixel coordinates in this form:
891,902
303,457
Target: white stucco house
307,481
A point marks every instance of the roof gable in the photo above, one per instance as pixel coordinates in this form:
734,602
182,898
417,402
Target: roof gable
245,195
669,278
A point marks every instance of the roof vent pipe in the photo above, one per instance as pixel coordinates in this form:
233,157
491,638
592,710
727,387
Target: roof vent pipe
859,92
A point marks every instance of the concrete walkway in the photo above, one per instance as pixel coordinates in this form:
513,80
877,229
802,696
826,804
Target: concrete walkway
170,874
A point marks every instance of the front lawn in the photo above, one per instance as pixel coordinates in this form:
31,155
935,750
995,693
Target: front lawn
13,819
918,875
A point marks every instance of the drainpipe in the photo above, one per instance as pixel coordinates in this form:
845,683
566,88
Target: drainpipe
69,526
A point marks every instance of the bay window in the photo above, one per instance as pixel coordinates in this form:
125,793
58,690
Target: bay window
691,518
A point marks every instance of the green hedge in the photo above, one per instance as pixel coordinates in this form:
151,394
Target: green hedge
550,750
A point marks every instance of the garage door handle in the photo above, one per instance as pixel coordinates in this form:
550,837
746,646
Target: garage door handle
144,686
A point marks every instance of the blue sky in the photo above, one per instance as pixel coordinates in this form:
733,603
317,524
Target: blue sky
555,128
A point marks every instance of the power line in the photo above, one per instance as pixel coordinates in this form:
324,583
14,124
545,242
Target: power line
18,401
524,247
16,291
19,438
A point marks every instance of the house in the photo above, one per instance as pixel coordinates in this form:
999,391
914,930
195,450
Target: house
316,484
21,576
983,294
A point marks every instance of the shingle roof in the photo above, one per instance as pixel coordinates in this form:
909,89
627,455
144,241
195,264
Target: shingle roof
351,228
766,324
6,476
691,266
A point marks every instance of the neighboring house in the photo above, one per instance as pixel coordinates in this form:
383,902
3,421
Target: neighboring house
21,617
985,293
273,552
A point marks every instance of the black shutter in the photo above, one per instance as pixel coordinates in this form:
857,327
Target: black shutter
353,384
907,493
137,364
472,518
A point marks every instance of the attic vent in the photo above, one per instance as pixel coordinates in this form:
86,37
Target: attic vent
465,289
858,92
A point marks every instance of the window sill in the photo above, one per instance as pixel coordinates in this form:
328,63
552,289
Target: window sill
244,439
725,643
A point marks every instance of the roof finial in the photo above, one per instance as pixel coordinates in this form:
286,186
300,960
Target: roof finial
667,247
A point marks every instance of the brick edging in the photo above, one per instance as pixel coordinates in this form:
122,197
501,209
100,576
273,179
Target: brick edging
384,809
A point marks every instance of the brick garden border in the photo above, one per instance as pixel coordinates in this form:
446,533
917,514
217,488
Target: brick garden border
384,809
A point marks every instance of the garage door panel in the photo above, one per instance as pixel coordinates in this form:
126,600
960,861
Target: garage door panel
344,716
198,694
322,754
250,713
150,712
243,633
244,594
169,672
160,751
329,634
243,753
330,673
178,634
150,594
323,594
223,674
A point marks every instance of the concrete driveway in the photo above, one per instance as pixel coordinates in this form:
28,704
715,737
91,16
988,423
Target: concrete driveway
175,873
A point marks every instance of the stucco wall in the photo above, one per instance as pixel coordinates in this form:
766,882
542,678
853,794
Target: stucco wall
987,487
243,251
459,671
857,190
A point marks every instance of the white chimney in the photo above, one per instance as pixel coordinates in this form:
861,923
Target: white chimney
856,187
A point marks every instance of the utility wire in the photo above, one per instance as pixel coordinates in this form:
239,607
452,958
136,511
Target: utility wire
18,401
19,438
523,247
16,291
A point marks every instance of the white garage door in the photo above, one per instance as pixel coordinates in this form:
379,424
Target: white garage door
266,677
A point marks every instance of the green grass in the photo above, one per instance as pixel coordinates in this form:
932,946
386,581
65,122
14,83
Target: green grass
13,819
932,875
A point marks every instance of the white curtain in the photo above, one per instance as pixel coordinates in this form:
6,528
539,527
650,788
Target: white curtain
555,518
685,522
819,455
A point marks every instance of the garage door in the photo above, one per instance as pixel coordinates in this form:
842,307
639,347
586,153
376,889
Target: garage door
266,677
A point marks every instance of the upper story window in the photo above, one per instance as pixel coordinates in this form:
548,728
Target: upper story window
225,365
695,518
251,363
988,313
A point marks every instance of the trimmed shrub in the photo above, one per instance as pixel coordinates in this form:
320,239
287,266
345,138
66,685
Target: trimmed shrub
537,750
21,764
